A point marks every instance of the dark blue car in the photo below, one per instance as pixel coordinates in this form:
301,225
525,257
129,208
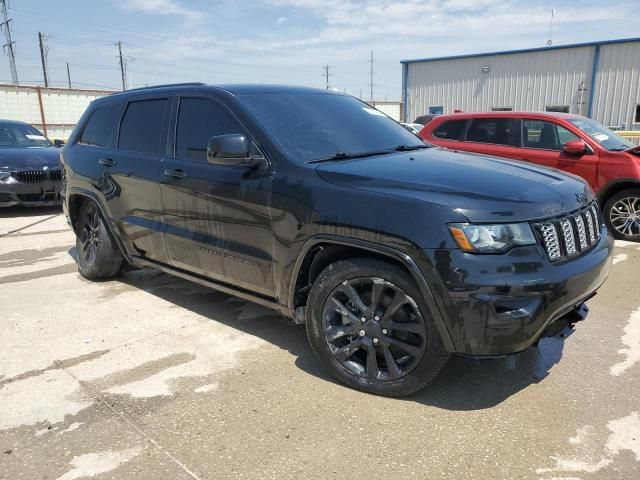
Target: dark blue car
30,171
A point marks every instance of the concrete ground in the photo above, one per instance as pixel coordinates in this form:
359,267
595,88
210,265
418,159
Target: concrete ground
151,377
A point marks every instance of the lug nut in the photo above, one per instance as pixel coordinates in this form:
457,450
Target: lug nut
377,318
363,319
384,331
375,340
361,333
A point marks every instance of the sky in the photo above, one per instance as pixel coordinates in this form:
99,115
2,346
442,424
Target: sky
287,41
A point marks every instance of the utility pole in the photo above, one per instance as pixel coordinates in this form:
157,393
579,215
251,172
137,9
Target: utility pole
68,75
326,75
371,78
44,50
119,44
10,45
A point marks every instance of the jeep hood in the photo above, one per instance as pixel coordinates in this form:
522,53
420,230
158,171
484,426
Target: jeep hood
29,158
482,188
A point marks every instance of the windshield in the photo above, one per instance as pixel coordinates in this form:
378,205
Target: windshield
316,126
601,134
19,135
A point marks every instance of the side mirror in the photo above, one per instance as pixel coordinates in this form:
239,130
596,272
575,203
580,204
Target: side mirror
58,143
575,147
233,149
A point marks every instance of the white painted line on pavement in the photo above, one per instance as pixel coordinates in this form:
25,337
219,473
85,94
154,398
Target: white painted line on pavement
631,339
620,258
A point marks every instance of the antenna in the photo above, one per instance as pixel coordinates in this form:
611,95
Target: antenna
550,41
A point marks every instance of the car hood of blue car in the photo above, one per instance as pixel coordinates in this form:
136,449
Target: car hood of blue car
480,187
29,158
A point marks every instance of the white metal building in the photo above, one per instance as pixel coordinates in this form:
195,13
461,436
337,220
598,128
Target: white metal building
599,79
54,111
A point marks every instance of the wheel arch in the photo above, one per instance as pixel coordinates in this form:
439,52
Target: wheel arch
323,250
614,187
76,199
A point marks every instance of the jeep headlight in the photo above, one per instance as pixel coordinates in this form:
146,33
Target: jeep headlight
6,178
491,238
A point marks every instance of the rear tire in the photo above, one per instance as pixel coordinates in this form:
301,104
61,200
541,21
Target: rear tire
622,215
396,350
98,255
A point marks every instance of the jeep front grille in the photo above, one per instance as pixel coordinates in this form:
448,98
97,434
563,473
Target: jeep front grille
568,236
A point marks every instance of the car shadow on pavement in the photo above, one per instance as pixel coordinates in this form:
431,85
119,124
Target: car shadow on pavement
463,384
17,211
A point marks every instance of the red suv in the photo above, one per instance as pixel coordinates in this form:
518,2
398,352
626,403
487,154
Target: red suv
571,143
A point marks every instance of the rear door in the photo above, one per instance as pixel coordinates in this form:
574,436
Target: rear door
218,217
541,143
491,136
135,172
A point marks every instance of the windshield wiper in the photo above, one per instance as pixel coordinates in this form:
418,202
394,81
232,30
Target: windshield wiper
408,148
348,156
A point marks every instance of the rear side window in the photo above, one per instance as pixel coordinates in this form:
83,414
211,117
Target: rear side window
101,127
451,130
140,130
545,135
490,130
199,120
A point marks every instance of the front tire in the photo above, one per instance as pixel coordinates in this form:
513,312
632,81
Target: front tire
371,329
622,215
97,254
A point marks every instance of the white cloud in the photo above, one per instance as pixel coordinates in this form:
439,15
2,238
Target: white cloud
281,20
161,7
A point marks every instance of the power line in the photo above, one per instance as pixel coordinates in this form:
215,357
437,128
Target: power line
326,75
44,51
9,46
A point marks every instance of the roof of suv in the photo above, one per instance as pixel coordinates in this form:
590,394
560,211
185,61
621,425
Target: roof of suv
506,114
234,89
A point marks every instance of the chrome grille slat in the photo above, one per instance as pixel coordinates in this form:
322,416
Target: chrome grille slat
567,233
568,236
551,241
582,232
590,227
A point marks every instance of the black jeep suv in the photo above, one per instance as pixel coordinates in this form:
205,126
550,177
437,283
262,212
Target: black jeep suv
394,253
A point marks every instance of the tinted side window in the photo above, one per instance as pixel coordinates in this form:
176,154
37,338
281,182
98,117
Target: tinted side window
545,135
490,130
101,127
451,130
141,126
198,121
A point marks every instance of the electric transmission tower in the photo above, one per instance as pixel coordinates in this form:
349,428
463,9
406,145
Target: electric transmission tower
10,45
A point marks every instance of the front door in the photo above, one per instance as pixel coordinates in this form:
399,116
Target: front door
542,143
218,217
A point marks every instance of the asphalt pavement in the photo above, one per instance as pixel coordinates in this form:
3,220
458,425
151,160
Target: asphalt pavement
151,377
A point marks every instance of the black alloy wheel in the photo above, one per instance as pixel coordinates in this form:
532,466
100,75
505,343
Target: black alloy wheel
374,328
371,328
98,256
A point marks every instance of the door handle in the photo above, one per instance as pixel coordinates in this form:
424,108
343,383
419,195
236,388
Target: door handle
175,173
106,162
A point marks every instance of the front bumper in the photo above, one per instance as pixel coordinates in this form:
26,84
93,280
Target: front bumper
40,194
502,304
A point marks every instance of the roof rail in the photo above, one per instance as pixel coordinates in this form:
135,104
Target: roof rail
186,84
